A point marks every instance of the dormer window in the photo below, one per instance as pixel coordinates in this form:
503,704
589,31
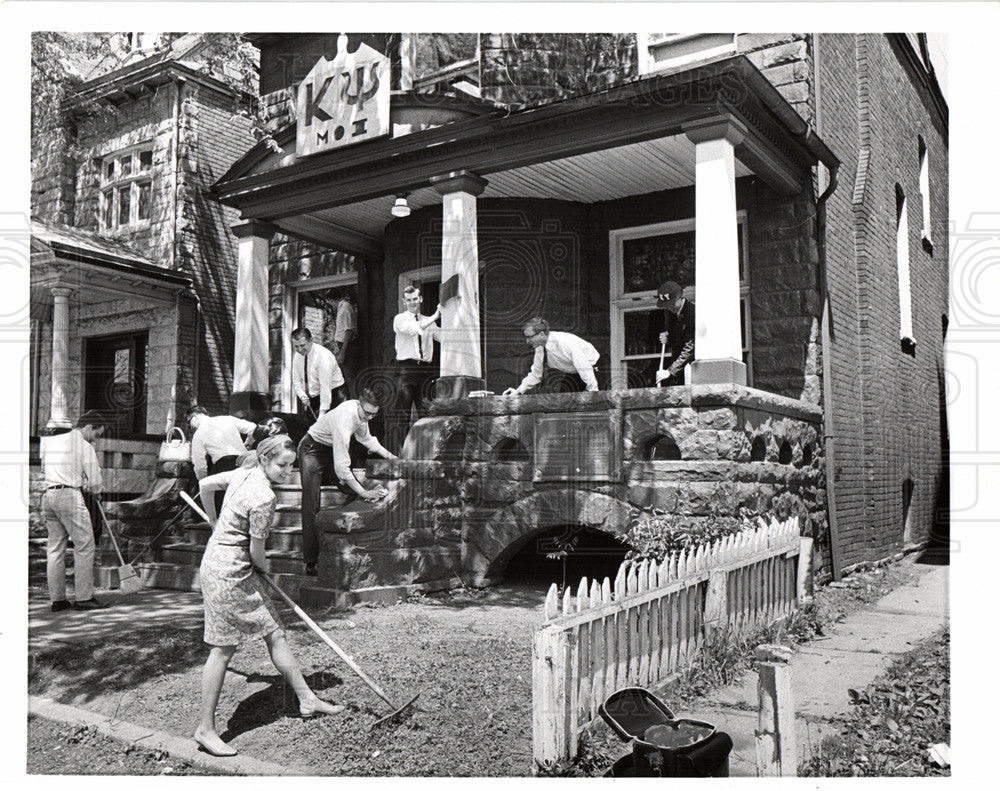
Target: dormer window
126,188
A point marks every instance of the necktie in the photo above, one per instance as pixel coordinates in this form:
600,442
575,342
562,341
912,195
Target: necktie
305,373
420,345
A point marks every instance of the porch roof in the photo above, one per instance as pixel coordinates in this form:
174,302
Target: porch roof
97,269
625,140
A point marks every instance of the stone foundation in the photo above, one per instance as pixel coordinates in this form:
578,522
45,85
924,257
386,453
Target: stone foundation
480,477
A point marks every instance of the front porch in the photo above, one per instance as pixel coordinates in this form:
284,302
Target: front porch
575,211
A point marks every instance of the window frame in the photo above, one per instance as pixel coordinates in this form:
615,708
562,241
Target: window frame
924,182
623,302
112,188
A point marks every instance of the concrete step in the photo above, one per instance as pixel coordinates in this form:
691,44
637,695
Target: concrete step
184,554
302,589
287,539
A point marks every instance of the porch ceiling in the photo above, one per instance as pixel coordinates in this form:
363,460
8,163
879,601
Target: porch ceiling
613,173
627,140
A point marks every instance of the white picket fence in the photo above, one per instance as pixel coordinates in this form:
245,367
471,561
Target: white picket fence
651,622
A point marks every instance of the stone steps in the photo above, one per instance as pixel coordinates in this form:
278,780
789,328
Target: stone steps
184,554
286,539
301,588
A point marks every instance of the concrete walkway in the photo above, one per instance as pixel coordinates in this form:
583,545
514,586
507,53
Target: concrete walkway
857,651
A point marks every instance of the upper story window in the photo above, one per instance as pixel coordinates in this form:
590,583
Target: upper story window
659,51
126,188
925,192
906,338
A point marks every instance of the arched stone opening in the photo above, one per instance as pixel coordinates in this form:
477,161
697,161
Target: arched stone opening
758,449
661,447
563,554
785,452
489,547
509,449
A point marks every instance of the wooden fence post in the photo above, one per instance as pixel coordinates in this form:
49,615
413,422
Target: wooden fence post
716,608
776,752
805,575
553,695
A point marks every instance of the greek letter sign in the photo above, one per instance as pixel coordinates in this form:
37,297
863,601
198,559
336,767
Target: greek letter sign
343,101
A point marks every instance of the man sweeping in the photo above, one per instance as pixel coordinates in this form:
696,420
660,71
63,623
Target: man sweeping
70,465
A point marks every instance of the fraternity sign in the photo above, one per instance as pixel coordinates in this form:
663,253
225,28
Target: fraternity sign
343,101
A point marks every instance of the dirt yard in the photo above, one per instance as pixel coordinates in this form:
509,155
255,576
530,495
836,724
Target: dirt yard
467,653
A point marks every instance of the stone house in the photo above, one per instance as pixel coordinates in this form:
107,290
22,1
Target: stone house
795,184
132,263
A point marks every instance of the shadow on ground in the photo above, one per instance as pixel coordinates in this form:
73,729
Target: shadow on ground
131,658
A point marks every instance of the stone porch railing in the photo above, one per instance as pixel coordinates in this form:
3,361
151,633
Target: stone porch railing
480,477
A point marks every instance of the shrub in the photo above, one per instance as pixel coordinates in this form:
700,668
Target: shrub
654,535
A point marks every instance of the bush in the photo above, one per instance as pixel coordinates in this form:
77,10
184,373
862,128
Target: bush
654,535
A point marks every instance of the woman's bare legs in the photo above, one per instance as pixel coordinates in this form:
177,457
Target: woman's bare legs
211,687
282,657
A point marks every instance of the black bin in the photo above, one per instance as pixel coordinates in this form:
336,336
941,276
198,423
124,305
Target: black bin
632,711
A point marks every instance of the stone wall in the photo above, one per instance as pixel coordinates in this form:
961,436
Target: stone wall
458,508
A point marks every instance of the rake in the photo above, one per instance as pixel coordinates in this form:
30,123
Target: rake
396,710
128,580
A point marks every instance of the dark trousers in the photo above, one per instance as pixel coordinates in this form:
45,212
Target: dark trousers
223,464
338,395
554,381
315,470
413,381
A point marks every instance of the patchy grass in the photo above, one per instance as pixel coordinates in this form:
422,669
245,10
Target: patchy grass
895,720
61,749
723,661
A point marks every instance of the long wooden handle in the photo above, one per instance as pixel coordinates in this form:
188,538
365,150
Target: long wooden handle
110,531
663,352
302,615
325,637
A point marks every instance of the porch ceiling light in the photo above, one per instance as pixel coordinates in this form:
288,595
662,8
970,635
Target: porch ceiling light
400,208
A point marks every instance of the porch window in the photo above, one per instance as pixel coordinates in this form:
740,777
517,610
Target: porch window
641,259
126,188
114,381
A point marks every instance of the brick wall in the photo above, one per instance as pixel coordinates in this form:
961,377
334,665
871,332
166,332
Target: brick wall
212,136
887,421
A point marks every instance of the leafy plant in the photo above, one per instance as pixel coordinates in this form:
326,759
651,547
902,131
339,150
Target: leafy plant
564,546
655,534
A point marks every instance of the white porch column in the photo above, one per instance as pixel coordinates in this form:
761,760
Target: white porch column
250,363
461,353
58,410
718,343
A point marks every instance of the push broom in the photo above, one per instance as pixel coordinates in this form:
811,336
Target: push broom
396,710
128,580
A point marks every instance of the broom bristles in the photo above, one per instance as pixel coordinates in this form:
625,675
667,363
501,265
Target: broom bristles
128,580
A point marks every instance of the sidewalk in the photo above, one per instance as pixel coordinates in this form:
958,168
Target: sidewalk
857,651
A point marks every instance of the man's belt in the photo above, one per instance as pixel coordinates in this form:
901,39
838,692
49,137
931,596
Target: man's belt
411,361
60,486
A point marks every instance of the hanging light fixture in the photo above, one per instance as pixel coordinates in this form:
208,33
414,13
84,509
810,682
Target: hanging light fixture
400,208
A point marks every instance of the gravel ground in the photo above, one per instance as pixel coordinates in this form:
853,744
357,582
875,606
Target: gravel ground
58,749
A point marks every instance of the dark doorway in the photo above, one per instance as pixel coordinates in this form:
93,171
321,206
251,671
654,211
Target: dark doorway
114,381
567,552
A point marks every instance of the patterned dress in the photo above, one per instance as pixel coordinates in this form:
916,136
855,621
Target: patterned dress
236,604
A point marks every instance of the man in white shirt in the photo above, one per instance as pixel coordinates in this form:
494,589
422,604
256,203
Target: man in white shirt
345,346
317,379
70,465
326,448
561,351
415,335
216,444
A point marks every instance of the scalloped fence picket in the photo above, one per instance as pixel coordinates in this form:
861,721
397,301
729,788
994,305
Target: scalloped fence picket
651,622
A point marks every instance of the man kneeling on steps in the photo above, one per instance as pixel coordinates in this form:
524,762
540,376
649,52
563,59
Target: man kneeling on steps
326,447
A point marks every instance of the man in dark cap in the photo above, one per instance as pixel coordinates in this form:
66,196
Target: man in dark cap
673,327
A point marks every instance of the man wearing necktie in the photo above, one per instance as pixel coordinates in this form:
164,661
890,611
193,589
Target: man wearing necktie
316,376
415,334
